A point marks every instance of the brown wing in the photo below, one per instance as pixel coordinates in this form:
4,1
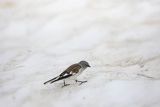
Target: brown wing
71,70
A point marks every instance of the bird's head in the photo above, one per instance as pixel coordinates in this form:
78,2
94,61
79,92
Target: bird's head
84,64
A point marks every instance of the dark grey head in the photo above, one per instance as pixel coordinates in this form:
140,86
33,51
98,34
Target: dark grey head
84,64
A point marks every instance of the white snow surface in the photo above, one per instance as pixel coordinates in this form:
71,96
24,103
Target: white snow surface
41,38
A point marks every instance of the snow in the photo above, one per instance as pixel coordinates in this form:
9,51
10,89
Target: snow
119,38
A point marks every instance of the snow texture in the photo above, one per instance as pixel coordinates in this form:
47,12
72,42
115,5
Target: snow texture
119,38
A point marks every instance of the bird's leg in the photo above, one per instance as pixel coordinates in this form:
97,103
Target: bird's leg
64,84
81,82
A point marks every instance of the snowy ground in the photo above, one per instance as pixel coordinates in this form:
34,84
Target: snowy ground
119,38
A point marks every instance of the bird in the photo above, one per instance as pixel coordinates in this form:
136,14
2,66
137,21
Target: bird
71,73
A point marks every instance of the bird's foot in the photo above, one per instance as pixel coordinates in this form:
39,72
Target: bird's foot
65,85
81,82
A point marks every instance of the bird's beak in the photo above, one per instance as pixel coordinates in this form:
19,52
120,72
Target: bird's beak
89,66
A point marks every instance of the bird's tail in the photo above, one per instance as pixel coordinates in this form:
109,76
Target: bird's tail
60,78
56,78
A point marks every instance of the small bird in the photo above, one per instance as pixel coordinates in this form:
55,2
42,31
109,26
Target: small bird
71,73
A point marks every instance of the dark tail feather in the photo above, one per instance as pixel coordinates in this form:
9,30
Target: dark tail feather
50,80
61,78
